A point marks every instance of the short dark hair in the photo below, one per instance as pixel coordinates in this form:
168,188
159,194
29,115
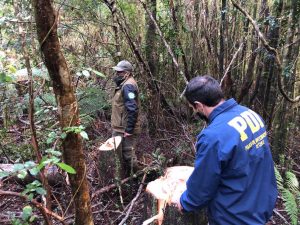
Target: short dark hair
204,89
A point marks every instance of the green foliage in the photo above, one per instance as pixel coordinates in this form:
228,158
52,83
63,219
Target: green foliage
289,189
34,187
77,130
26,217
66,168
291,207
159,159
91,100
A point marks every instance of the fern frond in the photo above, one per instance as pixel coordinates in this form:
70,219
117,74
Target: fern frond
290,203
279,179
292,182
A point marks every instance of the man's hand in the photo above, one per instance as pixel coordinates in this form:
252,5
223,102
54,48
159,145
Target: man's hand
126,134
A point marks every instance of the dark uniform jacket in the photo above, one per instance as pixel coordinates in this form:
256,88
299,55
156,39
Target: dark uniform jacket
126,108
234,171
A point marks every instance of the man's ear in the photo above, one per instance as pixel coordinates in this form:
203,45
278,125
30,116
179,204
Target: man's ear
198,104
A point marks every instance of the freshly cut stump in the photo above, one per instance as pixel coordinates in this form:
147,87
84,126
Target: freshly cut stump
159,199
110,161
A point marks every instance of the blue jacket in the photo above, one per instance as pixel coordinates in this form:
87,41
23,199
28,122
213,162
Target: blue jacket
234,172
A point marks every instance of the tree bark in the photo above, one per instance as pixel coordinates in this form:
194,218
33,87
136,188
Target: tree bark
222,34
46,23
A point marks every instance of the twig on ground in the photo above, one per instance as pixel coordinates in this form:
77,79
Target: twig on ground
133,200
281,216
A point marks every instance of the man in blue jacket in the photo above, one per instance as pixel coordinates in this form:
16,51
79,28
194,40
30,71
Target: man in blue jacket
234,171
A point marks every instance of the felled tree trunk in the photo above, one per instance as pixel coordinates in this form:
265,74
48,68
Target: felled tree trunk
158,202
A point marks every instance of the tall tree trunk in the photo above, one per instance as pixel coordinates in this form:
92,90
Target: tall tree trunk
151,55
248,78
46,23
179,44
289,57
222,34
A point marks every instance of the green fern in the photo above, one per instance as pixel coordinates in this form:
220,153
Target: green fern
292,183
279,179
289,189
290,203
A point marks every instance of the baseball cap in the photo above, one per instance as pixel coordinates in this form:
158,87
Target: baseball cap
123,65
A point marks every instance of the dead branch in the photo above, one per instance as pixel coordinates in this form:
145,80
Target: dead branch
271,50
133,200
231,62
111,186
44,211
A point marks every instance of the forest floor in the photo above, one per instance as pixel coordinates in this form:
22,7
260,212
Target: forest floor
105,197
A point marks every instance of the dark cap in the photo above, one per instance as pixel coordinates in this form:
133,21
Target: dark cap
123,65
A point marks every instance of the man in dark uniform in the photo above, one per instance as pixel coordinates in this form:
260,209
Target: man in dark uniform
125,118
234,171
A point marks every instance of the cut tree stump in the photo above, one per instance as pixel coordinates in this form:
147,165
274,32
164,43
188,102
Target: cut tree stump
158,199
110,164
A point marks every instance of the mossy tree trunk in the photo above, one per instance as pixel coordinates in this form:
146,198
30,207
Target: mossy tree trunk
46,23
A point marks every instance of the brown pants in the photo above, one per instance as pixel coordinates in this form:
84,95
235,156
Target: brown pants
127,148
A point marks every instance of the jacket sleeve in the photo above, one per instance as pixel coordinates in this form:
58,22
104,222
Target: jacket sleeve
203,183
130,95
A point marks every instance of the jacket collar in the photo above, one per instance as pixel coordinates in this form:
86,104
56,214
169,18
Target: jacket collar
221,108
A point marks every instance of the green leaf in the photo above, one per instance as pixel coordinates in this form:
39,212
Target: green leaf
27,212
4,174
96,72
22,174
11,68
29,164
18,166
5,79
84,135
41,191
66,168
32,218
34,171
63,135
53,152
30,196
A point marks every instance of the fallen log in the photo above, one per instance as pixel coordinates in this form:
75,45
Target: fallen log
159,199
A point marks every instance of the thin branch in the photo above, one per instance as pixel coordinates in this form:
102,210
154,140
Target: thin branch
133,200
45,212
271,50
231,62
278,214
31,114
